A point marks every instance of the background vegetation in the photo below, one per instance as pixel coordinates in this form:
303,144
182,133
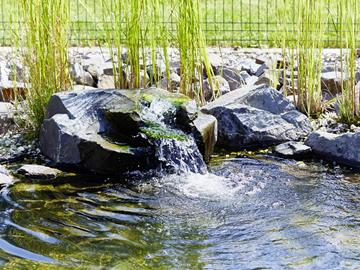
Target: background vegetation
226,22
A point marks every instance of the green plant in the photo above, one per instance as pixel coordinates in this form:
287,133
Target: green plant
349,103
45,42
135,28
302,49
309,55
194,60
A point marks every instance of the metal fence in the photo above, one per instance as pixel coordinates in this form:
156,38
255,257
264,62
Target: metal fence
246,23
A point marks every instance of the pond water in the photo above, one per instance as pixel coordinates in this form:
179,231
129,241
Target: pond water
261,213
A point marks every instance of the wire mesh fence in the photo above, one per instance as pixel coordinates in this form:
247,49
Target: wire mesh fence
245,23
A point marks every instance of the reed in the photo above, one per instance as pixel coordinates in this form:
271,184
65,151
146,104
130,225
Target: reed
194,62
302,50
309,55
349,103
137,31
45,52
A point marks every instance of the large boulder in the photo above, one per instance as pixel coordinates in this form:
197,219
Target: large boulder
256,117
116,131
342,148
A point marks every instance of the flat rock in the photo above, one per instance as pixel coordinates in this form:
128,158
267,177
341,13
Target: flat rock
342,148
259,116
292,149
38,172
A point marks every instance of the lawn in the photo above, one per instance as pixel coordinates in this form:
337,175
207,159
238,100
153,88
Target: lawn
248,23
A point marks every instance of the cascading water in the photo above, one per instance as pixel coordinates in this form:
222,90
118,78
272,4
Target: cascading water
179,154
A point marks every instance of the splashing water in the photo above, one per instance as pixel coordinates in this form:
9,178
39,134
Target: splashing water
177,155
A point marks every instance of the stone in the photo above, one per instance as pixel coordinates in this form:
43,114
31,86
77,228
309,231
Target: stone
233,77
252,117
260,70
331,82
7,111
5,178
34,171
174,82
18,73
160,70
218,86
268,78
216,61
94,70
248,79
80,76
260,60
205,131
108,68
342,148
292,149
113,132
106,82
78,87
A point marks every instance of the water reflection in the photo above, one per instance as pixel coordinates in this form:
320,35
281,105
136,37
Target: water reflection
246,214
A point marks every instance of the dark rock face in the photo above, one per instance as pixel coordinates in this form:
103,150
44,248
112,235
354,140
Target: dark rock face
342,148
116,131
257,117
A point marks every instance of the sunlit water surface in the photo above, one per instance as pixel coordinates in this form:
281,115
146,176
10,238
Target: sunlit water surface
245,214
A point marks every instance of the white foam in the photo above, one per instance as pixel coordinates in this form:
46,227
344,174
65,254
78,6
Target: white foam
207,185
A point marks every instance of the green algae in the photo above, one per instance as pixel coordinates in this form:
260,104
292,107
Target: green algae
155,131
175,99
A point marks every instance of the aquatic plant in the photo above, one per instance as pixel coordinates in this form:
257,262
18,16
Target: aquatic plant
44,38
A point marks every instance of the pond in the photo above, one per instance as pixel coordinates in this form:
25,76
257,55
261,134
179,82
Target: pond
248,213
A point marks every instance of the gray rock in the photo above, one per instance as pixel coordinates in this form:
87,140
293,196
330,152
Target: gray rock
205,131
217,87
256,116
18,73
79,87
174,82
216,61
292,149
106,82
34,171
7,111
5,177
108,68
331,82
117,131
232,76
94,70
266,78
80,76
342,148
